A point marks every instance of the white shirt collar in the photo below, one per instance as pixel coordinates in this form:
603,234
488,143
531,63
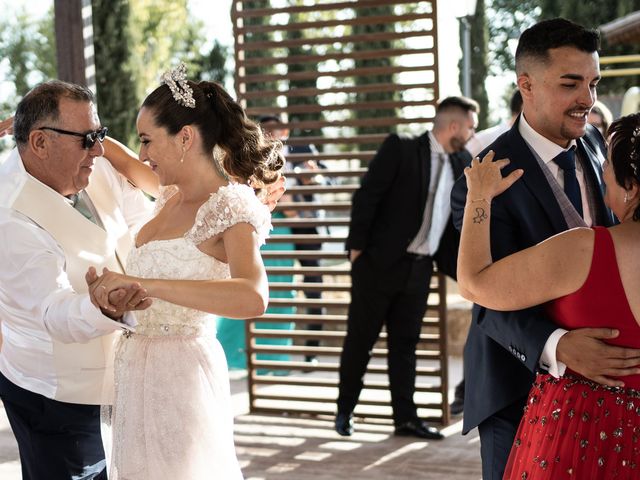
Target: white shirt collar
545,148
435,145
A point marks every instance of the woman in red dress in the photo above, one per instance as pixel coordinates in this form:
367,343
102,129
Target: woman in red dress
572,427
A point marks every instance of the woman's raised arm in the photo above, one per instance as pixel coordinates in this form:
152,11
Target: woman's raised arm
551,269
127,163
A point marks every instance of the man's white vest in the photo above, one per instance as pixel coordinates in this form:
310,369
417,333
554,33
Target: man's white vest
84,370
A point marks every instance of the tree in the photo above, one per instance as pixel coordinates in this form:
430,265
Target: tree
592,14
508,19
210,65
28,45
134,43
302,66
115,79
511,17
479,66
263,68
381,78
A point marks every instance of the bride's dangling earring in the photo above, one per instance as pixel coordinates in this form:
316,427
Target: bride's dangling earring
183,152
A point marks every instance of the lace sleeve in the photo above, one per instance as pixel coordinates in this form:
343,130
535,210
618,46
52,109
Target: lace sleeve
230,205
165,194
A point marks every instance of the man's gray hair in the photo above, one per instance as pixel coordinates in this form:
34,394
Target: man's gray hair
42,104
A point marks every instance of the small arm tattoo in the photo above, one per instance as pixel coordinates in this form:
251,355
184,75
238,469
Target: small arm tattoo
480,215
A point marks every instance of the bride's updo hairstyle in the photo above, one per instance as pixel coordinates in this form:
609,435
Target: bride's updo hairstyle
624,137
249,156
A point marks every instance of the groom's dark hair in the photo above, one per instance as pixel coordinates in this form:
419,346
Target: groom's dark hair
536,41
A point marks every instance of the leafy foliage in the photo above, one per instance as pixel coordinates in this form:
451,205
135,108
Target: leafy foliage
135,42
28,46
115,77
511,17
479,65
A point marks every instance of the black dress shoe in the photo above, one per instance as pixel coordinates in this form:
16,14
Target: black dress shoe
417,428
344,424
457,406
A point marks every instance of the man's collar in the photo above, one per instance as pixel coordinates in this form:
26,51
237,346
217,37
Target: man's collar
545,148
436,147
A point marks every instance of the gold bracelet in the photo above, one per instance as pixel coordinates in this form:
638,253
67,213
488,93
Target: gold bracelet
478,200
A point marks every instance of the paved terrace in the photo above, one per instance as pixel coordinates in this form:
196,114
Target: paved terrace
303,448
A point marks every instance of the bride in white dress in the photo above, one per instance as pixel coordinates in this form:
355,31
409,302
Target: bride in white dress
198,257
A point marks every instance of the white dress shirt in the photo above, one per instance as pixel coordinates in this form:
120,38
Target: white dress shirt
482,139
438,204
547,151
37,302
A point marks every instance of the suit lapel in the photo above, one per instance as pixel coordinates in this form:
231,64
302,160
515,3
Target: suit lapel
534,178
593,174
459,160
424,160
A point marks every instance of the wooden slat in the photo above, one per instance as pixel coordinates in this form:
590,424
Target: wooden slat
308,270
316,7
332,382
314,59
323,24
329,40
312,75
355,139
335,351
334,367
304,239
309,92
388,105
335,125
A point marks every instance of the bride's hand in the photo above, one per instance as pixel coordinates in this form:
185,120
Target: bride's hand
484,179
114,293
275,191
6,127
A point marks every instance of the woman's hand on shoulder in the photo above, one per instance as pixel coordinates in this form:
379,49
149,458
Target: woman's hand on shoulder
484,177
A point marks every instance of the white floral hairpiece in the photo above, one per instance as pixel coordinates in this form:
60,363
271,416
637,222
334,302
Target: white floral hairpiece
176,80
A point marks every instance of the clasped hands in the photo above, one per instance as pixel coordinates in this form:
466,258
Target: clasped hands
114,293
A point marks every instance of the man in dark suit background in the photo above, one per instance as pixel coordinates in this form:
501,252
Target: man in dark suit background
557,70
400,224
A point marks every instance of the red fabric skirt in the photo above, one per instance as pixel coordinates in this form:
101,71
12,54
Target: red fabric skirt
576,429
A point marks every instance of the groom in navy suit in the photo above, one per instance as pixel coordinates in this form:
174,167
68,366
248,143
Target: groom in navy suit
557,70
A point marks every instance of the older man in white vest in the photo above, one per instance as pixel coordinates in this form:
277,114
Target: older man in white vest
55,362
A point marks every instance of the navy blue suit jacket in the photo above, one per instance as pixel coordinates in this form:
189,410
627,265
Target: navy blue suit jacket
503,348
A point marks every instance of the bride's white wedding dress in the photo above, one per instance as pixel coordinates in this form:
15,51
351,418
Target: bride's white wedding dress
172,415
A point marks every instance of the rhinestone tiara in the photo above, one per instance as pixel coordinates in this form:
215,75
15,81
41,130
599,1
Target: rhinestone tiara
176,80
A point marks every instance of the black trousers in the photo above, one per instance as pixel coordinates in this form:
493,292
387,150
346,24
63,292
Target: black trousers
398,300
56,440
497,434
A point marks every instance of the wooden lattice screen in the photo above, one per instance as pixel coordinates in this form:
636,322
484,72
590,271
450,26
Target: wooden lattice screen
341,75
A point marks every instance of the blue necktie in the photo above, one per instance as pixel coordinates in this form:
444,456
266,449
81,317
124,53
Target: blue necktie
566,160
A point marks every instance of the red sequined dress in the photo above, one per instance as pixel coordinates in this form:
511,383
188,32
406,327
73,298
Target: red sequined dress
574,428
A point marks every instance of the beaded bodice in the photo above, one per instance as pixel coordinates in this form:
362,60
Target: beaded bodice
180,258
175,259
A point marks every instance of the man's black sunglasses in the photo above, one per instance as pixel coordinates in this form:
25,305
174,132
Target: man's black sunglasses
89,139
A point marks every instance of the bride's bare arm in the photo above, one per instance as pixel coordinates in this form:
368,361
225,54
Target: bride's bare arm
244,295
551,269
127,163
